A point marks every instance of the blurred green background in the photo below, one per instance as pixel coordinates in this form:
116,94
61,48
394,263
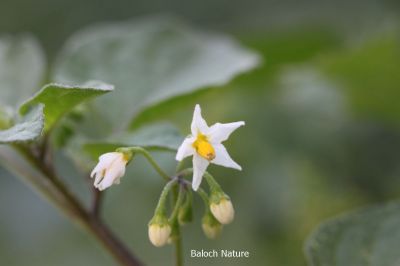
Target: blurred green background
322,131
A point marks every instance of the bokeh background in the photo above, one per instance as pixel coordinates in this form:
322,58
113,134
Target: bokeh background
322,131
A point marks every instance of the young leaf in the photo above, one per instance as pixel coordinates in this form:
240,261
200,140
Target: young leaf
22,66
29,128
160,136
58,99
367,237
150,61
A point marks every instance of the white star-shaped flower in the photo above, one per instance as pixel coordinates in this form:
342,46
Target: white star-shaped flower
205,144
109,170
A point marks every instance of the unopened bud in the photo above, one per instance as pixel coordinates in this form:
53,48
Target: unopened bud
222,210
211,227
159,231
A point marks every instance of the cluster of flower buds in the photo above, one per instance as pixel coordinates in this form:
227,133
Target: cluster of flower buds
205,146
218,212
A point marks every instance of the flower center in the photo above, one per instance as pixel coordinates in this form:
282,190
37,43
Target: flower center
203,147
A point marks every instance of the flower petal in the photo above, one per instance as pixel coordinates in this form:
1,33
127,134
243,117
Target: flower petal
98,169
221,132
108,158
116,171
105,162
222,158
186,149
98,177
199,167
198,122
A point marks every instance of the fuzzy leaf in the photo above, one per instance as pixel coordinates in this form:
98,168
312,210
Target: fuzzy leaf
149,61
58,99
29,128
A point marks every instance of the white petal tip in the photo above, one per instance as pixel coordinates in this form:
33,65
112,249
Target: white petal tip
197,109
195,188
196,184
236,167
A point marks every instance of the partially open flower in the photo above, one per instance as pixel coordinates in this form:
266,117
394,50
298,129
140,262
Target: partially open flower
159,231
205,144
110,169
223,210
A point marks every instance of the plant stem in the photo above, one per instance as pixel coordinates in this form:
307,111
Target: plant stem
149,158
212,183
89,221
111,242
178,248
203,195
97,200
178,197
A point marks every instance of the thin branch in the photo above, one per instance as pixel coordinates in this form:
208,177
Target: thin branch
89,221
97,200
21,169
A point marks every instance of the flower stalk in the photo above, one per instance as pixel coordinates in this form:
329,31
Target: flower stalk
176,236
149,158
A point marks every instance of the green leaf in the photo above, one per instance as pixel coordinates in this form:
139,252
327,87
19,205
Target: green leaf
22,67
161,136
29,128
367,237
150,61
58,99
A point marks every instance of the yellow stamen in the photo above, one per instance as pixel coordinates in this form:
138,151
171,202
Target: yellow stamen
203,147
